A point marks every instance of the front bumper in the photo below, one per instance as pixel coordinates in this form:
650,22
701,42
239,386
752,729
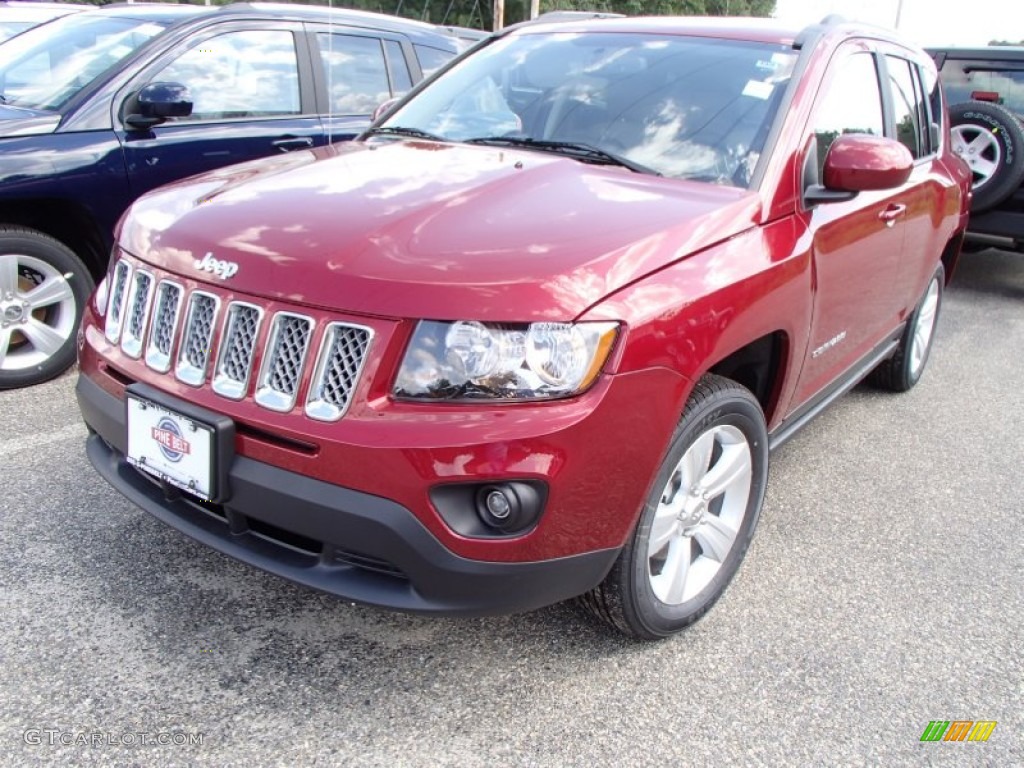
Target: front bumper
351,544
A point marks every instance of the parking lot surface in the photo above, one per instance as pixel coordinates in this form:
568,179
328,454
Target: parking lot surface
884,589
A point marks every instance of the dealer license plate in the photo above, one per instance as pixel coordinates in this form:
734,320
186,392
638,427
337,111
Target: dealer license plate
170,446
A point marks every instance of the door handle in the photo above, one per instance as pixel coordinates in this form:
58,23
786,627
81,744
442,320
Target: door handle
891,213
288,143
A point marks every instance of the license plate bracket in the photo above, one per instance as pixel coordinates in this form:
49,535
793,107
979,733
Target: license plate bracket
178,442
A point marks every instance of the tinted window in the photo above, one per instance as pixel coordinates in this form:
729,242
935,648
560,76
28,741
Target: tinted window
962,79
908,108
356,73
250,73
431,59
683,107
852,103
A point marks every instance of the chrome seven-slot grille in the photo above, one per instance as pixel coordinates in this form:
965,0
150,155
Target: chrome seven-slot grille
147,316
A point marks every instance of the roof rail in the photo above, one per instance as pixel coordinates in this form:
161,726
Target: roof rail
814,31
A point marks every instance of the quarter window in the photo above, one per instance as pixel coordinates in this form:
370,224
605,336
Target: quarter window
852,104
356,73
251,73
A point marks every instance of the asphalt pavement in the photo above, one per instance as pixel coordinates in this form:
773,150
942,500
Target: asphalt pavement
884,589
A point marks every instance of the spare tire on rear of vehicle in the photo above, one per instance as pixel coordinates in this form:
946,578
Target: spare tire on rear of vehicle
990,139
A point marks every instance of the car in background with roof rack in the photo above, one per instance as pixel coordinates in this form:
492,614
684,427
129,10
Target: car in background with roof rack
98,107
985,88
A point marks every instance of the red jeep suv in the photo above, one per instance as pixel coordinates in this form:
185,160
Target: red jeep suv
533,336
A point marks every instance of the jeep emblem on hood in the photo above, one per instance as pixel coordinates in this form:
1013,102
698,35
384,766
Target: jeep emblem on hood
222,269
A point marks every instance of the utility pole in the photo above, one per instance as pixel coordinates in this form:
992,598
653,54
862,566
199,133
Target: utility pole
899,12
534,9
499,14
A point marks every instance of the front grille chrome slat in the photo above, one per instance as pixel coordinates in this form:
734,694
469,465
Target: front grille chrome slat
166,309
136,309
181,329
116,303
339,366
238,343
281,371
197,338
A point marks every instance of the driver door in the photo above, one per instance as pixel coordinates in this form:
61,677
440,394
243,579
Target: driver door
252,97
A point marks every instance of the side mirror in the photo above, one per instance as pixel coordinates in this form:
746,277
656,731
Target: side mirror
155,103
384,108
860,163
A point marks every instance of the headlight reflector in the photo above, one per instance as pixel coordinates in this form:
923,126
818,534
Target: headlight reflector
469,360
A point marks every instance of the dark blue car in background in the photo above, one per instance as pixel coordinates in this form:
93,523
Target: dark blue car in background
98,107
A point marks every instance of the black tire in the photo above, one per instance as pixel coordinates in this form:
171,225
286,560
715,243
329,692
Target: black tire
1001,131
16,370
626,599
903,370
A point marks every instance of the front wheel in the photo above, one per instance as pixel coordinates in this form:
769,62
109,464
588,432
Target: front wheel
698,521
43,290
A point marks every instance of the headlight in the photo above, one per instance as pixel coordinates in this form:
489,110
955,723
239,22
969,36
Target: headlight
473,361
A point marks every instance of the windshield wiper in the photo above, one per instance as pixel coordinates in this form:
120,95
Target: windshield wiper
398,130
585,152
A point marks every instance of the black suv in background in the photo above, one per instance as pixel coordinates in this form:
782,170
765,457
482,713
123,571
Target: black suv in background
985,90
100,106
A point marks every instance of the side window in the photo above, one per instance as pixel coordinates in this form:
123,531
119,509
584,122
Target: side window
908,109
356,73
432,59
852,103
398,68
250,73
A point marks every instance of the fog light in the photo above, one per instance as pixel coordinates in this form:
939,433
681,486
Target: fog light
498,505
491,510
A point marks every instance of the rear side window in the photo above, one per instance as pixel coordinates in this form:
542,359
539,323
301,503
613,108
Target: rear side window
248,73
432,59
852,103
355,71
1003,83
909,110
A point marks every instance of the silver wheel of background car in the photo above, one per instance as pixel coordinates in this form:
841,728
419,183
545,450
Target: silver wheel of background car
924,328
980,150
38,311
700,514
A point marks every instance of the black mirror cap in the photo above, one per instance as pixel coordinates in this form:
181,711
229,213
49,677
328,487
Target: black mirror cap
155,103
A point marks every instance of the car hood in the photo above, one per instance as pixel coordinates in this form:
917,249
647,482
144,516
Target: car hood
21,121
431,230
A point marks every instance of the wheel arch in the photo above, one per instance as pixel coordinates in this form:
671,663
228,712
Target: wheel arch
64,221
760,367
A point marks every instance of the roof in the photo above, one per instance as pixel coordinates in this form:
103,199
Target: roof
736,28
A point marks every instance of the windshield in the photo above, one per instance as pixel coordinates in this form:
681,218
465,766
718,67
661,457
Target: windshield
44,67
682,107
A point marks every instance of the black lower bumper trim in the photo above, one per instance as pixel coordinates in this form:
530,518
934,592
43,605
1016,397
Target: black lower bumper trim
359,547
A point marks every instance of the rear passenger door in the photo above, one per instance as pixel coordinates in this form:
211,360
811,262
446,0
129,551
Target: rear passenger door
355,71
918,125
252,89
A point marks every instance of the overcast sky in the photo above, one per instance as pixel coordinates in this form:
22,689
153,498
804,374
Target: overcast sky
926,22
